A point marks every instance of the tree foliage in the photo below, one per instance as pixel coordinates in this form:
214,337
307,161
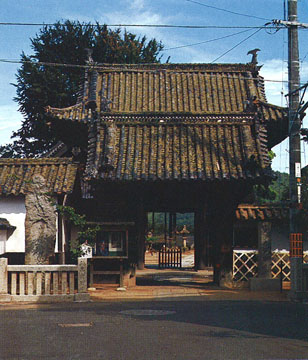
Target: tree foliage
86,234
39,85
277,191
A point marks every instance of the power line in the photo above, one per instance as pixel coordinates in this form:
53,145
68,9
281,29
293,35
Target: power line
109,66
43,63
206,41
241,42
228,11
146,25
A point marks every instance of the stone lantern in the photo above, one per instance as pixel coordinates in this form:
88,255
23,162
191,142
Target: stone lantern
184,233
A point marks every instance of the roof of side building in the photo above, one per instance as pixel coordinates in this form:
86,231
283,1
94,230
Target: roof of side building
16,174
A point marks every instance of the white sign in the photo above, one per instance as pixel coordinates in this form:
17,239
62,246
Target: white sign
86,251
298,194
297,170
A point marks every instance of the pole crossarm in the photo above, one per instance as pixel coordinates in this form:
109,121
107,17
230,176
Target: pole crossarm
302,106
289,23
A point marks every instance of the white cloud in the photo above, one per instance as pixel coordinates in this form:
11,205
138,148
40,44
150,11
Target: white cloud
138,12
137,4
275,74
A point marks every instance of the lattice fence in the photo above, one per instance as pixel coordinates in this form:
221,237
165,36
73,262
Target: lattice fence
281,263
245,264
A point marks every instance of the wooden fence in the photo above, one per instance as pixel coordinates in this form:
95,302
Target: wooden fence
245,264
43,283
170,258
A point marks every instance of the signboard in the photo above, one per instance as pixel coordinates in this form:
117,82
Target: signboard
86,251
297,170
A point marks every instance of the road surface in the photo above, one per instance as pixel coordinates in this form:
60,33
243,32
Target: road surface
187,328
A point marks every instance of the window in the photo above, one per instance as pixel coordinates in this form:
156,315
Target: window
111,243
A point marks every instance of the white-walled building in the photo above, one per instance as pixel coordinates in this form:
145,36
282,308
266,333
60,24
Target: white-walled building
16,176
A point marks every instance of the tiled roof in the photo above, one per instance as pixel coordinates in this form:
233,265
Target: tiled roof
176,89
166,148
16,174
172,88
4,224
264,212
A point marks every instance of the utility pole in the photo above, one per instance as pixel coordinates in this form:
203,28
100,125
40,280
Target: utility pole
294,151
294,147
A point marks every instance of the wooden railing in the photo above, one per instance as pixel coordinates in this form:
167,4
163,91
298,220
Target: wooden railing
170,258
43,282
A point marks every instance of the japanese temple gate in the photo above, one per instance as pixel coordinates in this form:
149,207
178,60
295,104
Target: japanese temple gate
172,138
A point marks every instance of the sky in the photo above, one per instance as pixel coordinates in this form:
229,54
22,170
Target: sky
183,45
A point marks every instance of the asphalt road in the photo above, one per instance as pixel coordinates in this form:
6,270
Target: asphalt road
193,328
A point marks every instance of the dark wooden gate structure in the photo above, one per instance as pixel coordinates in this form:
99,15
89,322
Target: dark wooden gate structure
170,258
172,138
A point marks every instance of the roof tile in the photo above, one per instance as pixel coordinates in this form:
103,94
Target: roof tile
164,150
15,174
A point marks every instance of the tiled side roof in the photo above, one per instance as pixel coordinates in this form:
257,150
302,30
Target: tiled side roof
16,174
264,212
5,225
172,88
166,149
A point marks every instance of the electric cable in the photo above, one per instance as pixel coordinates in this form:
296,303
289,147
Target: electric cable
238,44
206,41
102,67
147,25
228,11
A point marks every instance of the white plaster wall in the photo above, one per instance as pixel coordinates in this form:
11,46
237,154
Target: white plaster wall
13,209
3,236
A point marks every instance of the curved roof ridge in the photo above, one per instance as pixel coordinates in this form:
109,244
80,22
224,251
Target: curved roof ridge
176,66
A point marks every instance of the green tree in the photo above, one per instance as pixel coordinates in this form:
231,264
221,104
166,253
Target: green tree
277,191
39,85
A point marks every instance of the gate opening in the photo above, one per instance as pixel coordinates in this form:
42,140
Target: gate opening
170,240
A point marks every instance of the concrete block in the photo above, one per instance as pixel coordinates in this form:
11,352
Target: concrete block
3,276
82,275
43,298
261,284
129,280
22,284
5,298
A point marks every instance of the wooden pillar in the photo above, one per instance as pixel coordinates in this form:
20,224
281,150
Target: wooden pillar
264,250
141,231
170,225
201,238
165,228
153,222
222,239
61,237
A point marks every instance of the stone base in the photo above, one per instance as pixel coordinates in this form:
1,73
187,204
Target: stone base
130,282
45,298
129,279
82,297
298,295
5,298
259,284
